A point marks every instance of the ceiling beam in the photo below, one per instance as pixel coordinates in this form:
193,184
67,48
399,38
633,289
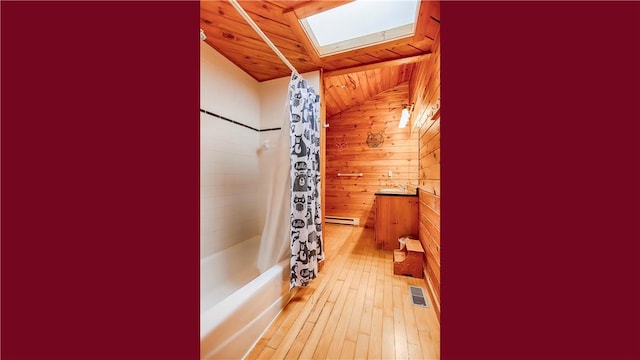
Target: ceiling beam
296,13
299,32
314,7
422,20
396,62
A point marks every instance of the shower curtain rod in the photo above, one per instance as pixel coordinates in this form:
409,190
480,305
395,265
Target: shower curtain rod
264,37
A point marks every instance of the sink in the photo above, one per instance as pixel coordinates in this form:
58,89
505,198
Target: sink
392,191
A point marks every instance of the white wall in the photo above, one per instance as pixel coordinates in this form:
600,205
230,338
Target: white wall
233,171
227,90
229,172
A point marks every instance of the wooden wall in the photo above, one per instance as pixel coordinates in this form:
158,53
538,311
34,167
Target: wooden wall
425,93
347,152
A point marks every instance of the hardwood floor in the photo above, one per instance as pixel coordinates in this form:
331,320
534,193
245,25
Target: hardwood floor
355,309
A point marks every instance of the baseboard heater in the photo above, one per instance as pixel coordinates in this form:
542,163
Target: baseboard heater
342,220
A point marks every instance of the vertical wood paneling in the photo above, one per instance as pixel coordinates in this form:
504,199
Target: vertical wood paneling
347,152
323,150
425,94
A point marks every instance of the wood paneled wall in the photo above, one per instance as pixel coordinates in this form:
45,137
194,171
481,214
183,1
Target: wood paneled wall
347,152
425,93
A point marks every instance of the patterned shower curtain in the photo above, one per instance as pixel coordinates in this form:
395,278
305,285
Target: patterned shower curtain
306,224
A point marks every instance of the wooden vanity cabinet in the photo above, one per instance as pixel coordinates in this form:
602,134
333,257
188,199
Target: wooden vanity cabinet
396,216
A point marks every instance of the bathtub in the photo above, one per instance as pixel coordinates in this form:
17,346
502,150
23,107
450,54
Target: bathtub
237,303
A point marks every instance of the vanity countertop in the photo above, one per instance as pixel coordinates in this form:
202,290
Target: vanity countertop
396,192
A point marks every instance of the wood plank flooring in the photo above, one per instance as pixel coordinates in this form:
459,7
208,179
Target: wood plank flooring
355,309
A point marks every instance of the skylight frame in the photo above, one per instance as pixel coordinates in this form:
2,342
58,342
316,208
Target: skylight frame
374,38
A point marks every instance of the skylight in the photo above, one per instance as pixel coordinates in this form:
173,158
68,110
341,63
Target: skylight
361,23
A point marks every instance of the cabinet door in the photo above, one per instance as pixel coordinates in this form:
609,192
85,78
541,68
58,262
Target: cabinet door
407,221
396,216
383,217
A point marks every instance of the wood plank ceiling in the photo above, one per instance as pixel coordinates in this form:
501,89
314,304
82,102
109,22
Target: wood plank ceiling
229,34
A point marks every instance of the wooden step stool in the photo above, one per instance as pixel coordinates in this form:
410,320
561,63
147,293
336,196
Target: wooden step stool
408,261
